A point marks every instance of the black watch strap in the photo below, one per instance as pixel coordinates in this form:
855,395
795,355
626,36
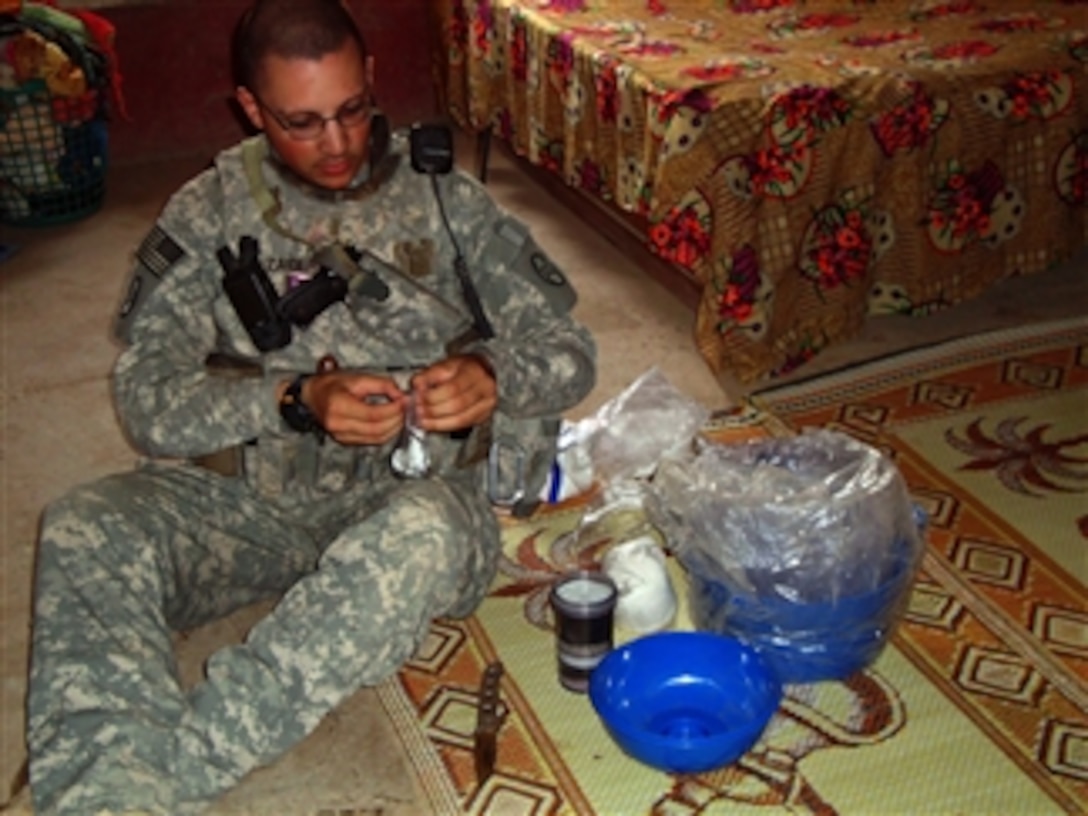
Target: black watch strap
294,411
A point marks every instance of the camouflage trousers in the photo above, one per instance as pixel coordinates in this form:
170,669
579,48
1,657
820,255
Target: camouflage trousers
125,561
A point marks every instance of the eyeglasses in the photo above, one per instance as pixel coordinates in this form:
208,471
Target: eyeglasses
307,125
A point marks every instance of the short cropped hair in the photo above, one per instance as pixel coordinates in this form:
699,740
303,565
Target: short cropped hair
291,29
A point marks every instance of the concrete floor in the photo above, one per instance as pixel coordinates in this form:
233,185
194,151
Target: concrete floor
58,293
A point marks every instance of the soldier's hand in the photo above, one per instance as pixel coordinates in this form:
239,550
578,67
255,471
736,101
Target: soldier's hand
354,408
456,393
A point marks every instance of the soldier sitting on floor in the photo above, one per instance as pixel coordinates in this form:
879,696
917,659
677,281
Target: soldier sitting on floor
300,310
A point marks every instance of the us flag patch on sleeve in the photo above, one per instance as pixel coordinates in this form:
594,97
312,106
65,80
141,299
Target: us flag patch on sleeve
158,252
154,257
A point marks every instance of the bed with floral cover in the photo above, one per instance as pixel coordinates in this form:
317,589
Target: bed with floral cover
807,164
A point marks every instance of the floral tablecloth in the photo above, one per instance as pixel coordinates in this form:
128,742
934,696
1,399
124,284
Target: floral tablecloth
807,163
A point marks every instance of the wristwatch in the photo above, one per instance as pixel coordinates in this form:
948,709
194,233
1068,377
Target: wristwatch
294,411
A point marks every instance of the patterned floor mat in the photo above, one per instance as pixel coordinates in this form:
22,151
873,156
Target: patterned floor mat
980,705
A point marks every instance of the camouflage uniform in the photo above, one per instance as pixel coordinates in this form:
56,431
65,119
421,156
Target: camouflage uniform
363,560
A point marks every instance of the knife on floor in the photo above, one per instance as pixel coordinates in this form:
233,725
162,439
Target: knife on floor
489,717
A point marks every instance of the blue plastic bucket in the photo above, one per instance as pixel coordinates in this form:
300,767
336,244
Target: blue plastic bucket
804,641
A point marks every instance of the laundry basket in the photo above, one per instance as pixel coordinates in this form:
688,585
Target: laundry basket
54,93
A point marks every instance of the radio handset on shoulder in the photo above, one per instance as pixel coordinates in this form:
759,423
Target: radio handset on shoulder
432,154
431,149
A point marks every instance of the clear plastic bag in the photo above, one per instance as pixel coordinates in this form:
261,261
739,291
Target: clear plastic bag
620,447
806,545
623,442
648,421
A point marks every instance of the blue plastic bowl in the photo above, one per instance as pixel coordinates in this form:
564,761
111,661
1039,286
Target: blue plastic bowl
685,702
